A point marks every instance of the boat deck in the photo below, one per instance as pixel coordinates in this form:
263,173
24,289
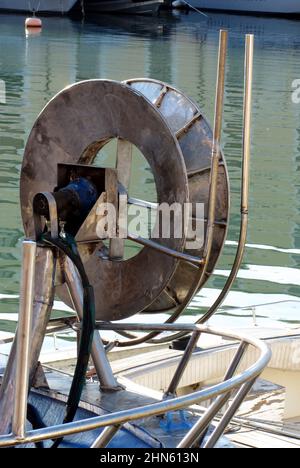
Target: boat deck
260,422
154,432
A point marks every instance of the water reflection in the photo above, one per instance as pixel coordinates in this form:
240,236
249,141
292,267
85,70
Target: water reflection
180,49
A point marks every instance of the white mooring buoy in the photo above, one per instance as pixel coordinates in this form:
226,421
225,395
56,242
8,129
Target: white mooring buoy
33,22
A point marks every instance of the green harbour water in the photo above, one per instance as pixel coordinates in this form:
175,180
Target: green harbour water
180,49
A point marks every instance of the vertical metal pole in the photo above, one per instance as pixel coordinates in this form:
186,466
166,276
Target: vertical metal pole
183,363
191,438
219,104
101,363
249,53
216,143
220,87
23,339
238,400
105,437
42,306
198,431
236,360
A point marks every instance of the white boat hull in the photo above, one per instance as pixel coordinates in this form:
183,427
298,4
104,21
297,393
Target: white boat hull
42,6
286,7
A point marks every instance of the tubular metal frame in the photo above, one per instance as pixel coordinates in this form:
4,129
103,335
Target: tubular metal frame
249,54
114,421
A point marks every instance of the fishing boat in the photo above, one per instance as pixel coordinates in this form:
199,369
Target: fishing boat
271,7
152,396
41,6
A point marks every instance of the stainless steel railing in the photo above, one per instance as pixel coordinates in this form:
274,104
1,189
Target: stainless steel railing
219,393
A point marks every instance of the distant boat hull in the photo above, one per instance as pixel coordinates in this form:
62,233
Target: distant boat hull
278,7
123,6
41,6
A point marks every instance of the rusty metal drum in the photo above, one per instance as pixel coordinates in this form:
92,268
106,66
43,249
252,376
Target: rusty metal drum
176,140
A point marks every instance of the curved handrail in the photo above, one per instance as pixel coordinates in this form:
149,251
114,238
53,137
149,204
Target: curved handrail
243,381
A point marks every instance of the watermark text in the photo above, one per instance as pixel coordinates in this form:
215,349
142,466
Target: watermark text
162,221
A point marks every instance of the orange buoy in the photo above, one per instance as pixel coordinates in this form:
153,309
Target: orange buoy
33,23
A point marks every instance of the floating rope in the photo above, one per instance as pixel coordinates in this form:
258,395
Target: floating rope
34,10
194,8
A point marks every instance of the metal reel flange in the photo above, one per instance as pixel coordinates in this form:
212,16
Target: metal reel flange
194,136
174,137
72,128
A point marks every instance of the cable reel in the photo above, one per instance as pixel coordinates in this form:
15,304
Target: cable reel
175,138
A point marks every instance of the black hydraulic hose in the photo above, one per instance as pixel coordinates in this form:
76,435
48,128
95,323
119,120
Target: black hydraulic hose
69,248
36,421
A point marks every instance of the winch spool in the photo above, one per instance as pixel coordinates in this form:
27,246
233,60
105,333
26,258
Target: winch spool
176,140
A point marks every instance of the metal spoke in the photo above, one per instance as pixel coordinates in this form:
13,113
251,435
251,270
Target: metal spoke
161,96
124,162
188,125
204,169
166,250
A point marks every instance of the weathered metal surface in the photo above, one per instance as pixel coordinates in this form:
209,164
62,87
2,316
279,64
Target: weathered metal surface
175,138
72,129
